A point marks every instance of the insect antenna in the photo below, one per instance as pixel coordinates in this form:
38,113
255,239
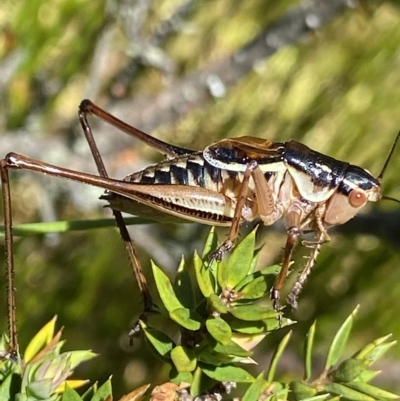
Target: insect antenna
390,198
380,176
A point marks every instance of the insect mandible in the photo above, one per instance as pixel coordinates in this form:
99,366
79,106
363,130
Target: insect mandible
227,183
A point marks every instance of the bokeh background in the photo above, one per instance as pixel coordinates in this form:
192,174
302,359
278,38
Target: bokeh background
326,73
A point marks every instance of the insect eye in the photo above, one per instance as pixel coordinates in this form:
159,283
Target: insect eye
357,197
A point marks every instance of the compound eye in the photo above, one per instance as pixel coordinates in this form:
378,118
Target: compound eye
357,197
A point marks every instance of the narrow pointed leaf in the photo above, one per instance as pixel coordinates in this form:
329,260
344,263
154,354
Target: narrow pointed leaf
78,357
248,341
308,347
374,350
70,394
349,369
373,391
204,276
183,286
70,225
364,353
135,395
322,397
233,269
277,355
196,383
367,375
41,339
72,384
211,244
254,391
104,391
159,340
265,272
346,392
256,289
187,318
227,373
165,289
340,340
230,349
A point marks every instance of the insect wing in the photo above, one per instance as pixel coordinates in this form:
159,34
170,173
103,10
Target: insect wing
180,201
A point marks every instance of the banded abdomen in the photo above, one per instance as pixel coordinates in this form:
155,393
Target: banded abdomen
187,187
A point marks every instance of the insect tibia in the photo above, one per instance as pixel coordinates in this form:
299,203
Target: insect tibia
299,284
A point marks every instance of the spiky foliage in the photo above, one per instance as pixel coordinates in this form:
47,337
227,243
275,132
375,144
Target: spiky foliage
218,314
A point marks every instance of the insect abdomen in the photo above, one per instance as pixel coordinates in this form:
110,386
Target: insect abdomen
190,170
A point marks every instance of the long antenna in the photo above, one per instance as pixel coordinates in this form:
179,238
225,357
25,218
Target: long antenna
380,176
390,199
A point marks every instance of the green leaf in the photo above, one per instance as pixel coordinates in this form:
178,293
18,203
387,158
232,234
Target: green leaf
214,358
187,318
373,391
204,276
159,340
183,286
217,304
180,377
300,391
367,375
233,269
40,389
248,341
277,355
183,359
227,373
195,388
322,397
339,342
104,391
308,347
230,349
40,340
165,289
265,272
72,225
253,312
70,394
349,369
6,387
211,244
374,350
219,329
78,357
346,392
257,288
260,326
255,389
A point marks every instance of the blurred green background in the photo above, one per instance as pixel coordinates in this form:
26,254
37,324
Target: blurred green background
155,65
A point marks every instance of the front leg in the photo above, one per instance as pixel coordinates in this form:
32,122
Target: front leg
294,223
293,233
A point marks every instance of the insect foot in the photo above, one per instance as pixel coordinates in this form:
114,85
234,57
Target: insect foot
219,253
